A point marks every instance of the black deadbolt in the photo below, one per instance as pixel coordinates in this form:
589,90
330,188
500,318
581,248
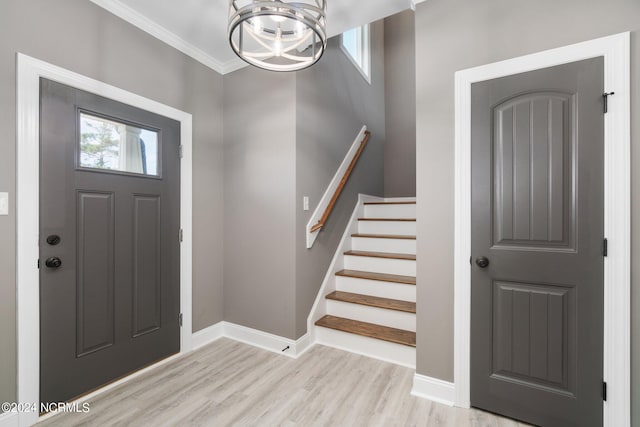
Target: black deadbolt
482,262
53,262
53,240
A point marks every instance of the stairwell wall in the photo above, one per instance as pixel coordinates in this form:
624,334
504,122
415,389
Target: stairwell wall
259,196
334,101
285,134
400,105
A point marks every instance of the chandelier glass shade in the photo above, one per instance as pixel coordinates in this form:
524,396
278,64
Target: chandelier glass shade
278,35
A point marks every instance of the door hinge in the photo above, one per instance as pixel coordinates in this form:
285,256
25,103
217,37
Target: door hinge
605,247
605,101
604,391
180,151
180,319
181,235
38,263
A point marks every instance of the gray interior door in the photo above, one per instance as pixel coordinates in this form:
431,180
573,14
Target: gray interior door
538,221
109,248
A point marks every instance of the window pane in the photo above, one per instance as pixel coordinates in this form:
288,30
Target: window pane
110,145
355,45
350,41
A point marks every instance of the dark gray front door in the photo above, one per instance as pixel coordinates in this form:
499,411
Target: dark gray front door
538,219
109,249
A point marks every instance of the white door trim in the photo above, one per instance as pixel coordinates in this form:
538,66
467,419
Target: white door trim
29,71
616,52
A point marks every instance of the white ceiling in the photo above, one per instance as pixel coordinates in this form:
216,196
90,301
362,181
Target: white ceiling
199,27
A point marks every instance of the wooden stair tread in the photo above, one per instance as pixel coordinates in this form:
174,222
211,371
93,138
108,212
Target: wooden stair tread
371,301
385,333
395,278
384,236
390,203
388,219
388,255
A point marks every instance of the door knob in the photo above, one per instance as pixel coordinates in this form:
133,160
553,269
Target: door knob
482,262
53,262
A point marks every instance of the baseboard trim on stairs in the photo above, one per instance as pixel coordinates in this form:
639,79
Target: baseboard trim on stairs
329,281
277,344
274,343
434,389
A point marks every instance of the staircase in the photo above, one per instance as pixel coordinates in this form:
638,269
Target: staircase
370,309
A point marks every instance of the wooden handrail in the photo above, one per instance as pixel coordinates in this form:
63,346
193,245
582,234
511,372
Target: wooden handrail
343,182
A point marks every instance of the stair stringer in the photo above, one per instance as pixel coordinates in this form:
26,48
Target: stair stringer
319,307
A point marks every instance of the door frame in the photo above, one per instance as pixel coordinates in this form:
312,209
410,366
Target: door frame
617,199
29,71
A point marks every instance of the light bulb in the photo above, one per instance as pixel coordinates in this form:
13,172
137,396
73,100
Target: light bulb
277,46
255,23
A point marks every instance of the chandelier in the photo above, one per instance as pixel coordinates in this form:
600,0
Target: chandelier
278,35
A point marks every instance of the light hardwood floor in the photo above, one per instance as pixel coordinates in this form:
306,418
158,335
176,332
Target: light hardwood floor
229,383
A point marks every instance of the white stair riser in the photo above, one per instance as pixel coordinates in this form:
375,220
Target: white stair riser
378,316
380,265
390,211
378,349
376,288
374,244
387,227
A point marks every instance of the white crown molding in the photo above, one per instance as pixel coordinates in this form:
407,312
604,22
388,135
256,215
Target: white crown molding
233,65
145,24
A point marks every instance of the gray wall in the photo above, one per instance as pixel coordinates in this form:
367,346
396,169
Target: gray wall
259,198
285,135
334,101
77,35
400,101
456,34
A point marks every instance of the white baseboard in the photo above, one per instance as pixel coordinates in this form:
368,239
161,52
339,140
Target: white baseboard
254,337
9,419
433,389
207,335
267,341
305,342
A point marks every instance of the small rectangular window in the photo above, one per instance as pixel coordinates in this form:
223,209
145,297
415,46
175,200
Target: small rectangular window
356,46
114,146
